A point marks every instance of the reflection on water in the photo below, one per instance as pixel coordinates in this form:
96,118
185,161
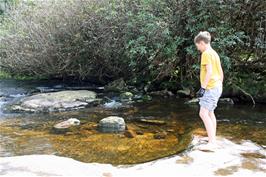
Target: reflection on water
23,134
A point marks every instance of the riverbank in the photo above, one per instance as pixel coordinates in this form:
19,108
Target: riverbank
231,159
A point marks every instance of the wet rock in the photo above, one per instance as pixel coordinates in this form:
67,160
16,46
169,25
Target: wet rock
130,133
160,135
112,104
153,121
221,100
183,93
65,126
112,124
139,132
48,89
165,93
126,96
192,101
146,98
56,101
116,86
226,101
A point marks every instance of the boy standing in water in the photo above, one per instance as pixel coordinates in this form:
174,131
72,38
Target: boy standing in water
211,80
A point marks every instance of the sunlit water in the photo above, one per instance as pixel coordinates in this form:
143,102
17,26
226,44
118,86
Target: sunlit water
25,134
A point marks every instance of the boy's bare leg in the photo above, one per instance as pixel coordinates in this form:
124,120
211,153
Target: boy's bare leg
204,115
214,123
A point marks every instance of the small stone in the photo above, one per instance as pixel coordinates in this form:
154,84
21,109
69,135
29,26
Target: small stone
126,96
146,98
226,101
183,93
170,130
192,101
65,126
139,132
160,135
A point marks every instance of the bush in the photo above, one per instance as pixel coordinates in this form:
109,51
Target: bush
143,41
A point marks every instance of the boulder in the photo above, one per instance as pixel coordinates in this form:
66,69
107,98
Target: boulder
56,101
112,124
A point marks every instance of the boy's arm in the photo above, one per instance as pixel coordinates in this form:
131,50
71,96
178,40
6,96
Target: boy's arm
221,73
208,75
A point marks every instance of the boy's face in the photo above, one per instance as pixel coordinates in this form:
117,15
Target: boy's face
201,46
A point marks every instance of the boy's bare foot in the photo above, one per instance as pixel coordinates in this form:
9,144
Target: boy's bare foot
208,147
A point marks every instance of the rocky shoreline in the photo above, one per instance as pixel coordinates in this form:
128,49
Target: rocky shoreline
231,159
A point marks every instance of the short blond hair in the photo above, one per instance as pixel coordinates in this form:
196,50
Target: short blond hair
204,36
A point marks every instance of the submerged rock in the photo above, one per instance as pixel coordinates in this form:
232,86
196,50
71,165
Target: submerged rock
56,101
152,121
112,124
160,135
68,123
130,133
64,126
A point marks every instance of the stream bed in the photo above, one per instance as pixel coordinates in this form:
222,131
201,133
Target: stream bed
31,133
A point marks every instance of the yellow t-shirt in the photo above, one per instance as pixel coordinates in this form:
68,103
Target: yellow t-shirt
210,57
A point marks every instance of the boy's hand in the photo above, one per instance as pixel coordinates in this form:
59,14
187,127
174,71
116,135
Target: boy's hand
201,92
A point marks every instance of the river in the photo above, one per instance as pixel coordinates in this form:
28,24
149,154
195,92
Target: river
30,133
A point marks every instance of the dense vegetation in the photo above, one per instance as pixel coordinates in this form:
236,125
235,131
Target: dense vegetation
147,42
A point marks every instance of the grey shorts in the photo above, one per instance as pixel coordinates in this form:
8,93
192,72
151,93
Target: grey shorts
211,97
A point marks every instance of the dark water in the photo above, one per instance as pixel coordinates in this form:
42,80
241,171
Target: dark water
24,134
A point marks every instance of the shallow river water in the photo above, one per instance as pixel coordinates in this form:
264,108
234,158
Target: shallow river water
26,134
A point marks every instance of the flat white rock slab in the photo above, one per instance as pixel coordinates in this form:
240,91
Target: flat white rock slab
199,163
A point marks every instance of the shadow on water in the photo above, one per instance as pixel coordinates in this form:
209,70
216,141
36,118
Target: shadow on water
24,134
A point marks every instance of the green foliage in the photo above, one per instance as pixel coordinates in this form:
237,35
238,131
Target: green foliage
144,41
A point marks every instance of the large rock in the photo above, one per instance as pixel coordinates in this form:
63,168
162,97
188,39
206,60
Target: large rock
56,101
112,124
